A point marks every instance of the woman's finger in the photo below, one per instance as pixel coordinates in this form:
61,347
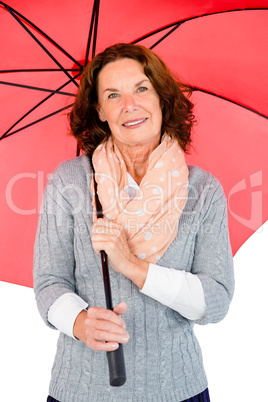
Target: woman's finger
107,326
105,336
99,313
105,329
102,346
120,308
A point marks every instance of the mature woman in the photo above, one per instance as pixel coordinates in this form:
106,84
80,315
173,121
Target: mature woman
164,229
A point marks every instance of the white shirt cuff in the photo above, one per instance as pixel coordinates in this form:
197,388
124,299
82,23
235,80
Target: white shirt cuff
180,290
63,312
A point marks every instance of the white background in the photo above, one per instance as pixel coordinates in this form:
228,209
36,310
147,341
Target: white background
235,350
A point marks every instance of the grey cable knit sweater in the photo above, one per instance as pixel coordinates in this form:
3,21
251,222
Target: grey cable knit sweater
163,358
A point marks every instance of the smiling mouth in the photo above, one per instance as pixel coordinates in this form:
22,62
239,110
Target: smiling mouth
134,123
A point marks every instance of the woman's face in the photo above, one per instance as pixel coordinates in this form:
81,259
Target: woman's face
129,104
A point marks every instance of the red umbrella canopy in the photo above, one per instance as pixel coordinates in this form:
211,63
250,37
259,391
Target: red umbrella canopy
218,47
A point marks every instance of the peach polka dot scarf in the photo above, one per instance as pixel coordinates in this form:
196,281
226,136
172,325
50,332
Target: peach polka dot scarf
151,218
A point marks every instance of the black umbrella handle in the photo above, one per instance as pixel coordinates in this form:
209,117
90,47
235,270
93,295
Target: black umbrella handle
116,361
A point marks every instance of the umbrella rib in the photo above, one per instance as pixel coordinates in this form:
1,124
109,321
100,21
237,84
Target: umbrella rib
42,33
41,45
174,24
36,88
229,100
36,121
90,33
37,70
166,35
95,27
35,107
148,35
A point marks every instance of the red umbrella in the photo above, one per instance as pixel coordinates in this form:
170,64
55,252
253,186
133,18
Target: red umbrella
219,47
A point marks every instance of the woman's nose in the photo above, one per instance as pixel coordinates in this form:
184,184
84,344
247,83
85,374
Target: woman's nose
129,103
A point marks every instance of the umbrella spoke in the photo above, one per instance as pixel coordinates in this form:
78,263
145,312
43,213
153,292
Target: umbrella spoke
179,23
90,33
39,43
42,33
166,35
38,70
148,35
35,107
36,121
229,100
95,27
37,88
93,23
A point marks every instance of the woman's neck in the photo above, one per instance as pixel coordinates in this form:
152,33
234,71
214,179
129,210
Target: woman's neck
136,159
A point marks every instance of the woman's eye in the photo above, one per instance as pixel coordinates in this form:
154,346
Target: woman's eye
142,89
113,95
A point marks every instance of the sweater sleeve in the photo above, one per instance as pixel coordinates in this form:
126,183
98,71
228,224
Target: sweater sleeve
182,291
53,253
213,261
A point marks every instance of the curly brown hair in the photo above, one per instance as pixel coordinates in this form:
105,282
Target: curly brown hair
177,109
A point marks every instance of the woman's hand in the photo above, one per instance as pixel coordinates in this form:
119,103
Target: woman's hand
110,237
101,329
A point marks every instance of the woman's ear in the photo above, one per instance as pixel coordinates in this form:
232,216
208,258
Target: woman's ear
101,114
